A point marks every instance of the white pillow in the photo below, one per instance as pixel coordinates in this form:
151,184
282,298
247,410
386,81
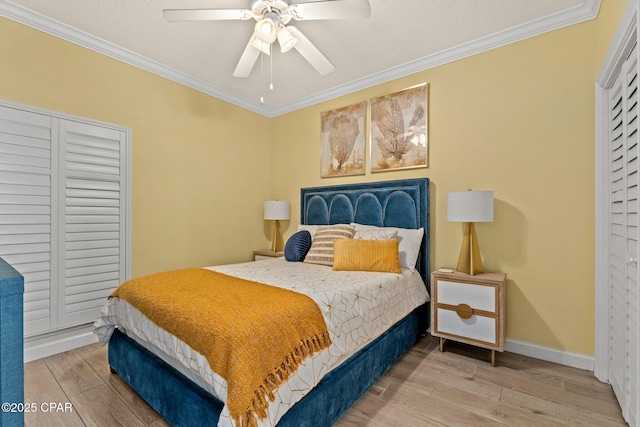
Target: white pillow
409,246
310,228
379,234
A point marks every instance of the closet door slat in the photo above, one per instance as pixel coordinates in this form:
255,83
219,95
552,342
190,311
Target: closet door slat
27,210
624,236
93,212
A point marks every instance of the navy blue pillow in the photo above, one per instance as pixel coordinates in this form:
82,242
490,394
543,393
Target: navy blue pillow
297,246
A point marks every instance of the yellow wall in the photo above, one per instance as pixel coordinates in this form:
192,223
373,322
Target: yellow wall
518,120
199,180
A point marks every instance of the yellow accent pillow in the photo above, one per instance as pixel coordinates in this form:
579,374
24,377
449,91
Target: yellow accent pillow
366,255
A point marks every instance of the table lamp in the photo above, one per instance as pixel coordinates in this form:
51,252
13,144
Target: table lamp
276,210
470,207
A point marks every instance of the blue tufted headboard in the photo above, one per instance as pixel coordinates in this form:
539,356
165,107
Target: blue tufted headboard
402,203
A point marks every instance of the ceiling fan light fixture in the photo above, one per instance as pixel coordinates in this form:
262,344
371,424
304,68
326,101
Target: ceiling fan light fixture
272,18
266,29
286,40
260,45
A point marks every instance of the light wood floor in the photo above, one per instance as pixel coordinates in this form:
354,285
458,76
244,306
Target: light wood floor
425,388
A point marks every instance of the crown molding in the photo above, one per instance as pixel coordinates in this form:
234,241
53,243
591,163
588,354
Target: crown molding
66,32
584,12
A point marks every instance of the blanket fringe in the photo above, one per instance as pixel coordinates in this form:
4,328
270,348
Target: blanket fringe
264,394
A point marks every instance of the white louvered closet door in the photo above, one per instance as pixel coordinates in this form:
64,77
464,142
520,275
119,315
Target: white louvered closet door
91,220
63,216
624,248
27,209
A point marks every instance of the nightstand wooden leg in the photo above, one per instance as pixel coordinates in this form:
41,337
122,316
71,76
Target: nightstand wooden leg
441,344
493,358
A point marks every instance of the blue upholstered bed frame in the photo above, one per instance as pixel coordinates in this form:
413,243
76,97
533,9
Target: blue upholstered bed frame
403,203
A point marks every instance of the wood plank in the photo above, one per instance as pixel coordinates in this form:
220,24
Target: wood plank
594,389
494,410
407,371
425,344
38,380
547,390
133,401
72,372
101,406
96,357
547,369
447,368
380,386
362,413
560,412
52,409
412,400
372,411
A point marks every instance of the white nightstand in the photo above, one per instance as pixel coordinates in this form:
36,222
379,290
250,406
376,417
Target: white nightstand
259,255
469,309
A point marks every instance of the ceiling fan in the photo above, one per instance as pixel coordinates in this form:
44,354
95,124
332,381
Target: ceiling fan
272,18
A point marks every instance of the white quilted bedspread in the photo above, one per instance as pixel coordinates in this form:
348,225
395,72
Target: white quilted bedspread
357,307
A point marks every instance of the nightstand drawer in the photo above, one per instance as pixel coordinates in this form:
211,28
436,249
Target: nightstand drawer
482,329
478,297
469,309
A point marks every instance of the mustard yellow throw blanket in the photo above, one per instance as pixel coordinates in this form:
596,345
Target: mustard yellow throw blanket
252,334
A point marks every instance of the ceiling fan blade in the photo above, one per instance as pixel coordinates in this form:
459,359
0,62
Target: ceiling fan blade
206,14
311,53
336,9
247,60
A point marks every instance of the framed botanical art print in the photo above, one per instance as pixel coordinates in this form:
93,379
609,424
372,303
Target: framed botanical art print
399,134
342,141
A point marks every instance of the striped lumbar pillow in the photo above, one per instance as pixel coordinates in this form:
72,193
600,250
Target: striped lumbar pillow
321,251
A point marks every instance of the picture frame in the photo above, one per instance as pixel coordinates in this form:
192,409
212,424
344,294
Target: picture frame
399,134
342,141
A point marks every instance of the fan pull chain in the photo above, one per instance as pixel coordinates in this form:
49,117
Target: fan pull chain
261,73
271,70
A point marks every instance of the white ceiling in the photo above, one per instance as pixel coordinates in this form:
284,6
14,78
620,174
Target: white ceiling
401,37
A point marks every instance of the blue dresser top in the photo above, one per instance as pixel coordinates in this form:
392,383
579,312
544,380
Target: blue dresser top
11,282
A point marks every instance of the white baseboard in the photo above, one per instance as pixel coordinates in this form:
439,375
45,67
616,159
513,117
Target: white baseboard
549,354
68,339
56,342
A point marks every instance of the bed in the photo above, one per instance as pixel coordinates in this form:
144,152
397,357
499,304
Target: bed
182,401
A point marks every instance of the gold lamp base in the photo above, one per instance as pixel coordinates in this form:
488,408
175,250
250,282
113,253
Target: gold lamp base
469,261
276,241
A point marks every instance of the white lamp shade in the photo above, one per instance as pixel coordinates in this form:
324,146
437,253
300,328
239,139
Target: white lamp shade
266,30
286,40
470,206
258,44
276,209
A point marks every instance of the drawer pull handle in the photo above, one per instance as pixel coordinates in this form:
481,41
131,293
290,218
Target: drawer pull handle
464,311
